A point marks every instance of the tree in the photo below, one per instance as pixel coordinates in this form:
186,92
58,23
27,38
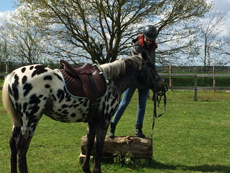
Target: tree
23,37
210,40
101,30
4,51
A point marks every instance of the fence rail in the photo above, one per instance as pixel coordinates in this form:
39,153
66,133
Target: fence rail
195,87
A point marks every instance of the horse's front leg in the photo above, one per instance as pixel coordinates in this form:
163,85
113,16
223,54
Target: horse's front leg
90,144
100,140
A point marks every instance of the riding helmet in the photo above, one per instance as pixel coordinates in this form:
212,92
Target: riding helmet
150,32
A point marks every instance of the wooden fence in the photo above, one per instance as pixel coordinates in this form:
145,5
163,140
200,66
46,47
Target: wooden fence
195,87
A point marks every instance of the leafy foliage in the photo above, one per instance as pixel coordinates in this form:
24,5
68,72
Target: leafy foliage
101,31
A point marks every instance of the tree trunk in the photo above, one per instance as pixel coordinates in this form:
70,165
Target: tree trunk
140,148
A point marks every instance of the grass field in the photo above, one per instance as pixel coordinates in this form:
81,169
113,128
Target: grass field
191,137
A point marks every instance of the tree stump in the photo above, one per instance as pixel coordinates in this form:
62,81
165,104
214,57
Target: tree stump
139,148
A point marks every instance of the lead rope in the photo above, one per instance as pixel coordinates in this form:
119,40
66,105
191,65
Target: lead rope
157,104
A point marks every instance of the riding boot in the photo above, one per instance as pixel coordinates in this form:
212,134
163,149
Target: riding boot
138,131
112,130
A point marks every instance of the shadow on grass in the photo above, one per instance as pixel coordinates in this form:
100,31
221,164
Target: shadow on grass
209,168
200,168
153,164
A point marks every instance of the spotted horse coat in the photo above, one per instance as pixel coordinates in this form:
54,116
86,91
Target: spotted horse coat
33,90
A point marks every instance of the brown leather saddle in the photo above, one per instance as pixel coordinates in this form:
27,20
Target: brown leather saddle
85,81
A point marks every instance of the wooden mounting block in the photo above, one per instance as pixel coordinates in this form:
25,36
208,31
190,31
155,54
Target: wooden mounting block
140,148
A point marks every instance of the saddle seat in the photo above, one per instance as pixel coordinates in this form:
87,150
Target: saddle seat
86,81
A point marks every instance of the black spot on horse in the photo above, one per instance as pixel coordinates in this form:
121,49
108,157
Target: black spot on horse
18,106
39,69
65,112
33,109
80,110
23,69
34,99
9,89
48,77
31,67
59,77
27,87
73,115
24,79
85,103
68,98
54,97
103,106
14,87
60,95
25,107
75,106
47,86
64,106
113,101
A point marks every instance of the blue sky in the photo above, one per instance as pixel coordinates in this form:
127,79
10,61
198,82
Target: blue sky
6,5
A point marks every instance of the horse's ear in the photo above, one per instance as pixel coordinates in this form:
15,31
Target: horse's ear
144,56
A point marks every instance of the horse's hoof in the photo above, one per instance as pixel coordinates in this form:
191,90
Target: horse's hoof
86,170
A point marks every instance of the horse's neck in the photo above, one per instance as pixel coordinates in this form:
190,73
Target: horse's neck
122,83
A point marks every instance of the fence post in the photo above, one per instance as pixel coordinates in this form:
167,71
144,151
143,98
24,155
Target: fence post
7,69
214,79
195,90
170,77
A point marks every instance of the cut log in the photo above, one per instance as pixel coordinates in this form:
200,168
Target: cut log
139,148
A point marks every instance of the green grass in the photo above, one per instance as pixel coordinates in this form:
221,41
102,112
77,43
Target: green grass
191,137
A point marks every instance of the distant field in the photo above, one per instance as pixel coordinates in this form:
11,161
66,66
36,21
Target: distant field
191,137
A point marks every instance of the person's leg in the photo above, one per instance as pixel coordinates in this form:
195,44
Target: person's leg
143,94
127,95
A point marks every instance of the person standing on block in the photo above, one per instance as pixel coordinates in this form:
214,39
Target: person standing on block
145,42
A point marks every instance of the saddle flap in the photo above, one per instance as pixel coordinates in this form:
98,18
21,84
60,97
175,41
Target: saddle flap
94,84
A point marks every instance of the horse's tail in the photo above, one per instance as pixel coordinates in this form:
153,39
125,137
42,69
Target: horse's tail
7,103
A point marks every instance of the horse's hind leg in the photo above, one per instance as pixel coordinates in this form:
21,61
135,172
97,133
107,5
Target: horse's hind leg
23,142
90,144
13,149
100,140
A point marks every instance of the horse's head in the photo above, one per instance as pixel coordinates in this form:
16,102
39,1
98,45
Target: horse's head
149,77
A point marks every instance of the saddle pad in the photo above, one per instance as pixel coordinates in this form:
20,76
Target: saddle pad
73,85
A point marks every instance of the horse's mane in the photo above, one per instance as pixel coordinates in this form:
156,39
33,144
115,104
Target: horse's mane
116,68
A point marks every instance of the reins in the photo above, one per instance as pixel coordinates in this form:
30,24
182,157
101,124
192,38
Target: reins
157,96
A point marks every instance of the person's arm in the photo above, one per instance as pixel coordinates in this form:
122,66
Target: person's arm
136,49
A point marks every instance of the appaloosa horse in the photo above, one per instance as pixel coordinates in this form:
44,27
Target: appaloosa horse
33,90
